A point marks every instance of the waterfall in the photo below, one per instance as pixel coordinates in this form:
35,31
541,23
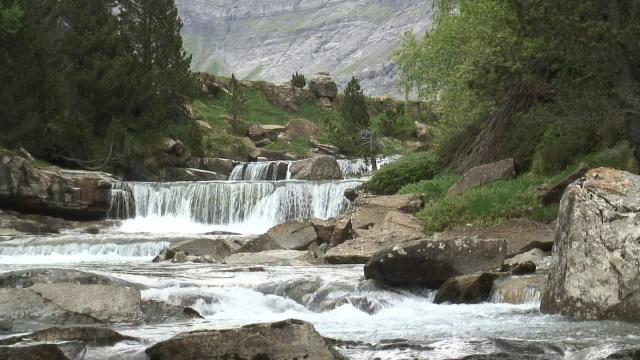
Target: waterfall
245,207
357,168
263,170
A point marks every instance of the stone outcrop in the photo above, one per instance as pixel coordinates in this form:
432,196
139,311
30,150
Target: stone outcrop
522,235
323,86
430,263
272,257
289,339
301,127
485,174
594,272
286,96
81,195
316,169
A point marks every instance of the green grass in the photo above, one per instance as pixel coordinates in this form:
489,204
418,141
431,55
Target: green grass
41,164
434,189
299,146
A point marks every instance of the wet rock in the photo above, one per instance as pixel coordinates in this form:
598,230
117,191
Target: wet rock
28,278
74,195
157,312
222,167
351,194
272,257
260,243
522,235
316,169
431,263
466,289
288,339
519,289
107,304
217,248
94,335
180,257
485,174
23,310
323,85
294,234
530,256
594,270
61,351
203,175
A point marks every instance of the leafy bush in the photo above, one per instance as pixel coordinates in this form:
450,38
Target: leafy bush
397,123
298,80
432,189
489,205
560,145
410,169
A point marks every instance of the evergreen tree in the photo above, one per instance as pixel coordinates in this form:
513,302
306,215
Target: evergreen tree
237,106
354,107
298,80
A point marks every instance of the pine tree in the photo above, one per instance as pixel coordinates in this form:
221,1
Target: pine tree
237,106
298,80
162,69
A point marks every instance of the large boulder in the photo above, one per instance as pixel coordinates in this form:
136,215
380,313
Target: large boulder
222,167
286,96
466,289
272,257
75,195
323,85
594,272
394,229
28,278
106,304
316,169
302,127
485,174
430,263
291,235
289,339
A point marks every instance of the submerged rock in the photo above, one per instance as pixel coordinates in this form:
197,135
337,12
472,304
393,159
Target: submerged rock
273,257
62,351
594,271
94,335
466,289
289,339
431,263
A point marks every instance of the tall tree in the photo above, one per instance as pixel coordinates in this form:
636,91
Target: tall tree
237,108
359,138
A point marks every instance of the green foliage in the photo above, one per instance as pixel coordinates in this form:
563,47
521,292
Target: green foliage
433,189
560,145
298,80
354,107
410,169
396,122
502,73
298,145
11,16
237,107
489,205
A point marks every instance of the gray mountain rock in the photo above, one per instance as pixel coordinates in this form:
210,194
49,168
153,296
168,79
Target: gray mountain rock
271,39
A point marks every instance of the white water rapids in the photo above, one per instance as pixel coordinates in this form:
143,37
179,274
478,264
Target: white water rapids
380,323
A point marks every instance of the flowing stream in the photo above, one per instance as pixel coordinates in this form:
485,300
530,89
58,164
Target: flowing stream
373,322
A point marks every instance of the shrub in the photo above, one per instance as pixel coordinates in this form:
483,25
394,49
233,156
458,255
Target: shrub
298,80
560,145
397,123
409,169
433,189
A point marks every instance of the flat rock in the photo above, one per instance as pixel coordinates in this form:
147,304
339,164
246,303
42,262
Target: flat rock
430,263
522,235
273,257
217,248
485,174
408,203
289,339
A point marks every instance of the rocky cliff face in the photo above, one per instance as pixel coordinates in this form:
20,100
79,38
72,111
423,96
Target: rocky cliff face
271,39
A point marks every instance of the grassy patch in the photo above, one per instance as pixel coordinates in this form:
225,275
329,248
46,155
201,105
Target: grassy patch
299,146
412,168
434,189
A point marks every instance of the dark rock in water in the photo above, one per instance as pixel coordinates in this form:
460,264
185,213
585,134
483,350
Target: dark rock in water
287,339
157,312
351,194
466,289
62,351
524,268
292,235
94,335
594,270
431,263
217,248
628,354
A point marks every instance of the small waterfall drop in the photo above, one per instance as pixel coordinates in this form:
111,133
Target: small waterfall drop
263,170
243,207
357,168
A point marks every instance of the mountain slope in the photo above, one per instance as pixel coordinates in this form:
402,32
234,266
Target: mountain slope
270,39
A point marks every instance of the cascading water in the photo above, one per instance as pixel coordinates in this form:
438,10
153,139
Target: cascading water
357,168
263,170
243,207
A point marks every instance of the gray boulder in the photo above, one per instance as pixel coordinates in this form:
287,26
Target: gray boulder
594,272
431,263
95,335
41,351
290,339
522,235
323,85
272,257
316,168
485,174
217,248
